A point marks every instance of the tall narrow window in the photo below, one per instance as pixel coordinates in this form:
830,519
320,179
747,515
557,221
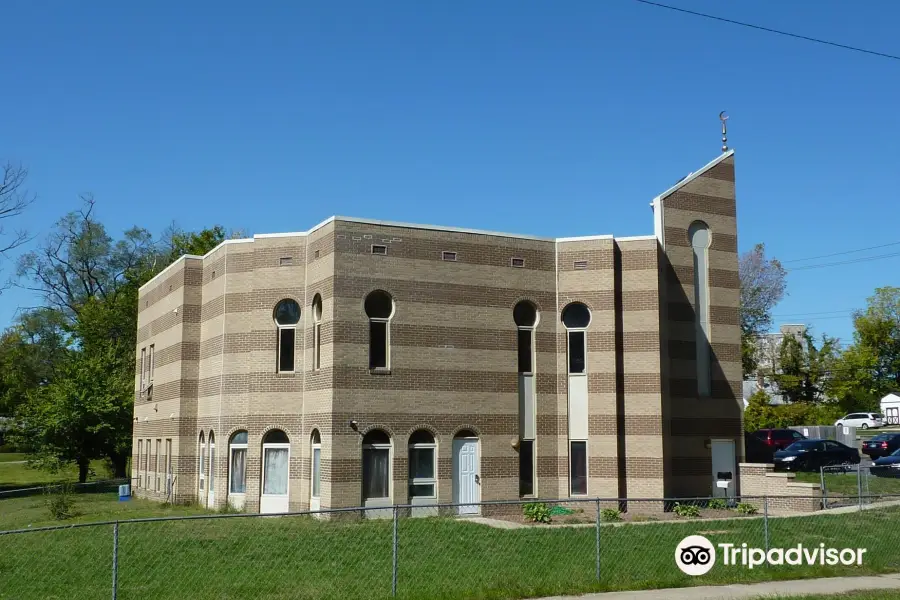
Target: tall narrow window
422,471
143,369
237,463
212,464
150,369
578,467
168,462
287,315
147,465
201,452
576,317
315,473
137,465
700,239
376,465
317,332
379,308
525,316
158,464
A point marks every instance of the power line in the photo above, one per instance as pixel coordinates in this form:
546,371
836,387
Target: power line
845,262
793,260
770,30
824,312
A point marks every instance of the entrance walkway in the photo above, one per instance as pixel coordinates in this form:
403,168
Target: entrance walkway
769,589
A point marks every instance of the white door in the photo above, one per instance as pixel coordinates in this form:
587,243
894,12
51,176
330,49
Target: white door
724,468
274,496
316,478
211,497
466,481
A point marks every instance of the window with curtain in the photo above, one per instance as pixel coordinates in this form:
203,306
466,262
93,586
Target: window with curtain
237,467
276,451
316,468
376,465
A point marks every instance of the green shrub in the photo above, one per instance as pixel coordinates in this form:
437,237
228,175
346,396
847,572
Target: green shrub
537,512
718,504
747,509
689,511
60,501
609,515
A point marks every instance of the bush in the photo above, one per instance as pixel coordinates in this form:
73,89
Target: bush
537,512
689,511
718,504
609,515
761,415
746,509
60,501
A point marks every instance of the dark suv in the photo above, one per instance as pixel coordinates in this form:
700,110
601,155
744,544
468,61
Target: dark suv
882,444
778,439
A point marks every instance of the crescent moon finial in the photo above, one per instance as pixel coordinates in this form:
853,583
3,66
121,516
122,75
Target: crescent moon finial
723,117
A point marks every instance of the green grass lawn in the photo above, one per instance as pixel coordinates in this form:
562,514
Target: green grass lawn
439,558
16,474
846,484
862,595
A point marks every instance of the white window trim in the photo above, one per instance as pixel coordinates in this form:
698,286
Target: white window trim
211,444
426,480
387,341
583,330
262,478
280,328
312,470
150,369
231,448
147,471
534,490
143,369
140,457
168,466
587,469
390,476
158,451
202,478
317,346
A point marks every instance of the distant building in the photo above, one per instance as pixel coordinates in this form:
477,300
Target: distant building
768,349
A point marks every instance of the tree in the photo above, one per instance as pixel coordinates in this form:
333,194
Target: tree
802,368
30,353
14,199
763,285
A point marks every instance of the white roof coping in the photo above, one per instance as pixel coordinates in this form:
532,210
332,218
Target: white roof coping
440,228
184,257
695,175
636,238
584,238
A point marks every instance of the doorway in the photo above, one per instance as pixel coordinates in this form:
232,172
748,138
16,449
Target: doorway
723,468
466,478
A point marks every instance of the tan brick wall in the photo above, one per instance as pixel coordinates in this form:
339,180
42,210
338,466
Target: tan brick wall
761,484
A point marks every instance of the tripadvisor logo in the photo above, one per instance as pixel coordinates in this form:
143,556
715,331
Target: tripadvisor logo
696,555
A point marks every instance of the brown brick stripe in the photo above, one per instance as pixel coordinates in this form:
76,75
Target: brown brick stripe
719,388
605,299
698,426
187,313
496,254
599,259
718,315
723,242
640,260
724,171
683,350
699,203
718,278
433,336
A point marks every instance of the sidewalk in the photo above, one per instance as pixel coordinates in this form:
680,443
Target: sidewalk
769,589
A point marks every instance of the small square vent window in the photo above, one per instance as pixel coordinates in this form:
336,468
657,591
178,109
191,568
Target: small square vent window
581,264
451,256
517,262
316,254
286,261
376,249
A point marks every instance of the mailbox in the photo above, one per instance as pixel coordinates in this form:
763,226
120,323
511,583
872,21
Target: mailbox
723,479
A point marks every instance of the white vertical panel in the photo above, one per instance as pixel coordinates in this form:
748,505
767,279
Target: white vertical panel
578,407
527,419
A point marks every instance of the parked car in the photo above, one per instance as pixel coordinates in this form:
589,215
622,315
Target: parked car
810,455
756,450
779,439
887,466
861,420
882,444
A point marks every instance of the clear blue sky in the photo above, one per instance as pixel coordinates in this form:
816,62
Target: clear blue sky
548,118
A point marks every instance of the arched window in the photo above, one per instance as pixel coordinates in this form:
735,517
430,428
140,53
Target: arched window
317,332
525,316
211,495
422,465
379,308
201,452
316,469
287,315
276,459
700,238
376,456
577,317
237,463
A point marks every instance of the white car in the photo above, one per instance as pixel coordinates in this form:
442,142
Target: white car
861,420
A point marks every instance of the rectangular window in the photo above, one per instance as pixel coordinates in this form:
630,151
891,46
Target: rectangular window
576,352
449,256
317,345
151,367
422,482
378,340
147,466
168,463
212,467
202,463
238,470
376,470
517,262
285,261
286,349
525,350
578,468
316,471
380,250
526,468
137,463
581,265
275,476
143,370
157,463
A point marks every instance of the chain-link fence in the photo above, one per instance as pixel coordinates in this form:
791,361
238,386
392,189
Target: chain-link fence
499,551
845,485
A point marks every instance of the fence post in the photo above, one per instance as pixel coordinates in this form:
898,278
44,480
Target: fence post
598,539
766,521
824,489
859,485
115,561
396,557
